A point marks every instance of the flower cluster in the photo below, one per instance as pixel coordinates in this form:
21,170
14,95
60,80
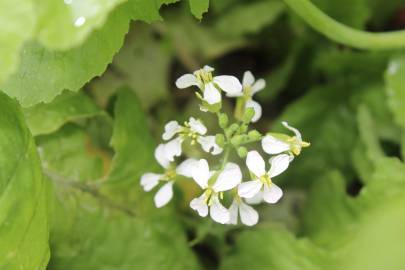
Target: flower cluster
224,181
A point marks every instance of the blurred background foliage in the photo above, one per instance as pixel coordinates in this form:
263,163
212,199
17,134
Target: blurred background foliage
344,198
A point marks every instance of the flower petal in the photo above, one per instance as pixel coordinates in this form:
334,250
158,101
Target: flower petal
279,164
160,156
229,178
199,205
272,145
293,129
255,163
248,78
171,128
248,215
197,126
173,148
257,199
256,107
233,213
209,145
150,180
211,94
186,167
186,80
201,173
249,189
229,84
218,212
164,195
272,194
207,68
259,85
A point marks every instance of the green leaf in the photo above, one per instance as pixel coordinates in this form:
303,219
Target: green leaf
344,232
16,25
66,24
23,195
395,88
47,118
249,18
199,7
103,228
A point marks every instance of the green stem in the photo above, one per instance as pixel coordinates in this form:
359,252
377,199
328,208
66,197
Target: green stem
344,34
226,156
239,108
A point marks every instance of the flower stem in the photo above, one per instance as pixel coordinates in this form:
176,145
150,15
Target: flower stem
344,34
239,108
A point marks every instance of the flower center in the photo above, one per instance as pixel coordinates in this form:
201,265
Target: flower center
265,179
170,174
203,76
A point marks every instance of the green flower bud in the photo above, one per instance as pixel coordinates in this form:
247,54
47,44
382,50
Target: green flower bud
220,140
223,120
243,128
242,152
248,115
231,129
237,139
254,135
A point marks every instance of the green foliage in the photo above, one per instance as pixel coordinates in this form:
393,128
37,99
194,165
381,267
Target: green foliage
24,195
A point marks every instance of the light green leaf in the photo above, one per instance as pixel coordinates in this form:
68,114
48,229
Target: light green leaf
47,118
395,88
66,24
250,18
17,23
199,7
23,195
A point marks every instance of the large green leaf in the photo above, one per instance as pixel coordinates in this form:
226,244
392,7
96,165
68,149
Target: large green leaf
199,7
47,118
104,228
344,232
23,195
16,25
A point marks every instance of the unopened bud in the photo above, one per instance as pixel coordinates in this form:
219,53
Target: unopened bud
254,135
220,140
223,120
248,115
242,152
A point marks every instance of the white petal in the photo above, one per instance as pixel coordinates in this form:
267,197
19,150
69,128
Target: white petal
201,173
199,205
256,107
208,69
150,180
279,164
293,129
186,167
171,129
229,84
257,199
173,148
197,126
233,213
209,145
249,189
164,195
273,146
255,163
272,194
218,212
248,215
211,94
161,156
248,78
186,80
229,178
259,85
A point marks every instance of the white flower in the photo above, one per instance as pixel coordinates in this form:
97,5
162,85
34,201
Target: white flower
248,215
262,182
209,85
251,87
209,201
193,129
151,180
277,143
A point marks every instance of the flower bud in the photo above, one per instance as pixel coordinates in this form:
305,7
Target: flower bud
231,129
242,152
254,135
220,140
223,120
237,139
248,115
